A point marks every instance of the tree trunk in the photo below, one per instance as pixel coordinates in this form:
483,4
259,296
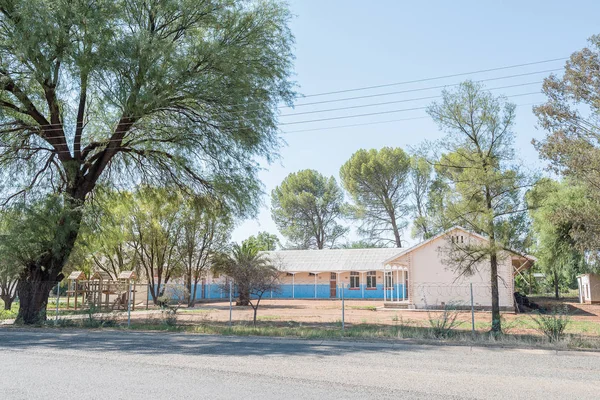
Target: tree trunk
496,323
556,291
243,297
8,300
34,289
395,229
255,311
41,275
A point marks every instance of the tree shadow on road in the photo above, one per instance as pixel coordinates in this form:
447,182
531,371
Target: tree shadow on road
164,343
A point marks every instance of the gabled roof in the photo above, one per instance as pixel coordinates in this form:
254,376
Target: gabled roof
331,260
447,232
343,260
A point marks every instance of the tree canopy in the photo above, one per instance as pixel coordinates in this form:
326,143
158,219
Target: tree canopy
160,92
378,183
264,241
571,115
557,252
306,208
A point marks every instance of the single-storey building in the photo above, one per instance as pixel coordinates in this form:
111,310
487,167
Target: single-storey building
589,288
415,277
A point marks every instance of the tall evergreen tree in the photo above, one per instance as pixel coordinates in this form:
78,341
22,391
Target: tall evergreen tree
378,183
485,189
306,208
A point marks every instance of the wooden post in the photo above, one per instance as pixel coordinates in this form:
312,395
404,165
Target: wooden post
133,305
76,290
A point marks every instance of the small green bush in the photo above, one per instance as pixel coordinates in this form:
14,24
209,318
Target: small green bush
554,324
443,324
169,318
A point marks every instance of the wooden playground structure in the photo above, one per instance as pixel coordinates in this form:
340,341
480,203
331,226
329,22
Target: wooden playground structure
101,291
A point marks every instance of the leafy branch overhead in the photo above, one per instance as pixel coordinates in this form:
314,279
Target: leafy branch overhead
121,93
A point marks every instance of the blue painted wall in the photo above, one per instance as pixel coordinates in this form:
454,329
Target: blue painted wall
304,291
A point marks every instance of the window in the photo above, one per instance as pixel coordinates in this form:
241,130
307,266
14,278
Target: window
458,239
333,276
289,274
371,280
354,280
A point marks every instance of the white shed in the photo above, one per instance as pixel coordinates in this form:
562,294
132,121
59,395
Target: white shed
589,288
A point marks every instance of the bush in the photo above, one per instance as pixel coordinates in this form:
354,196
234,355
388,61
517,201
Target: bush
444,323
169,318
553,325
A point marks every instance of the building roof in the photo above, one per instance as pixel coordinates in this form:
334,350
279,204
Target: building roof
331,260
338,260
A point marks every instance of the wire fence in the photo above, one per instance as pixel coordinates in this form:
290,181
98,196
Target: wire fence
330,302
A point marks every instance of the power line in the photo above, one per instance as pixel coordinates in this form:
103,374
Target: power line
379,113
296,122
419,89
379,122
330,127
399,101
61,125
437,77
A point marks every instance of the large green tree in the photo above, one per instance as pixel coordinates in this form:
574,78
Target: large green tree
156,232
550,203
206,227
485,188
307,207
571,115
264,241
183,92
378,183
104,242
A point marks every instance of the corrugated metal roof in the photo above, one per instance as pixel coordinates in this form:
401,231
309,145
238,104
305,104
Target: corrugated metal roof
331,260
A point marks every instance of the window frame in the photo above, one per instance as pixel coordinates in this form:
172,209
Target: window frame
354,280
371,280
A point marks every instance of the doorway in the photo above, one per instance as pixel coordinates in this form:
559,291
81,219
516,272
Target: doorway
333,285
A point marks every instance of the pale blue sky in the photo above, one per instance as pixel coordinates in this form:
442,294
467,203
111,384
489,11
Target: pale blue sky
344,44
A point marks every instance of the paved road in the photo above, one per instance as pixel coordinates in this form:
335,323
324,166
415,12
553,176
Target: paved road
131,365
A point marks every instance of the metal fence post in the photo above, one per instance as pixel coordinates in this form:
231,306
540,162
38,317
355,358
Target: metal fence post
57,299
472,311
230,303
129,307
343,307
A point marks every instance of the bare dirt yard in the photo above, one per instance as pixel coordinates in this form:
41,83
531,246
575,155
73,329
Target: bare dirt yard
585,319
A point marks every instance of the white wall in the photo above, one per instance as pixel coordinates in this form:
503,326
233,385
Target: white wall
432,282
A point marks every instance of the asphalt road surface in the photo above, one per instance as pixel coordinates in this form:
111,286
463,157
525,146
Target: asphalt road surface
41,364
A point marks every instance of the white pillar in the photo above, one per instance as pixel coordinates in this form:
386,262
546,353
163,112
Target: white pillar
407,290
293,283
384,288
403,284
363,282
315,285
397,285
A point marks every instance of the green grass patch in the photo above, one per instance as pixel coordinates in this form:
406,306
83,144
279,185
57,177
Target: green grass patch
368,308
8,314
268,317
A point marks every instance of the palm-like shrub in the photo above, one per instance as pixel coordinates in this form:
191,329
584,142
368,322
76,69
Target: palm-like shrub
251,271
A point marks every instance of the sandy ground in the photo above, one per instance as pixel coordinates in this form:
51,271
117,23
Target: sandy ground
585,318
327,312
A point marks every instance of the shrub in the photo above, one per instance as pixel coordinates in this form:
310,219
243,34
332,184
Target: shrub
553,325
445,322
169,318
